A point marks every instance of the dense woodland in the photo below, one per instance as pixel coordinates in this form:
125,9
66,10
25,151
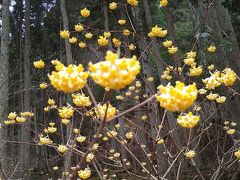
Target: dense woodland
124,89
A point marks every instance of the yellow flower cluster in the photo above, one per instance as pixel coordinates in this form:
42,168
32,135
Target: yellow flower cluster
115,73
132,2
195,71
111,111
121,21
188,120
85,12
102,41
190,154
81,139
211,49
178,98
167,43
39,64
237,153
13,118
43,85
62,148
65,112
129,135
89,35
84,174
172,50
157,32
73,40
213,81
167,74
81,100
64,34
78,27
44,140
214,96
116,42
89,157
228,77
68,79
113,5
132,47
163,3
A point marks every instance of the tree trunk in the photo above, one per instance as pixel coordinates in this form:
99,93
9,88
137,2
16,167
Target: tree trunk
67,157
4,79
66,27
24,161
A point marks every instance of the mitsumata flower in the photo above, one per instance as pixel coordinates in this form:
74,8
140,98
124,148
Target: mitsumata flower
115,73
68,79
178,98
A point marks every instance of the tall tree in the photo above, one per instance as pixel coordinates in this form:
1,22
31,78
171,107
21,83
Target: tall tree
25,148
4,77
67,160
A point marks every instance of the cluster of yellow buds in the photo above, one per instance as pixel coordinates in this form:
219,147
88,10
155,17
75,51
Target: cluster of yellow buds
68,79
211,49
65,112
102,41
190,154
121,21
132,2
81,139
43,85
237,153
163,3
195,71
215,96
85,12
27,114
213,81
89,35
129,135
78,27
157,32
72,40
111,111
113,5
62,148
167,43
115,73
132,47
84,174
126,32
81,100
167,73
172,50
64,34
188,120
13,118
39,64
89,157
44,140
51,129
228,77
178,98
116,42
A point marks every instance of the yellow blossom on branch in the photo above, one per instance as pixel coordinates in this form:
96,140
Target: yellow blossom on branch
115,73
85,12
178,98
111,111
188,120
68,79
